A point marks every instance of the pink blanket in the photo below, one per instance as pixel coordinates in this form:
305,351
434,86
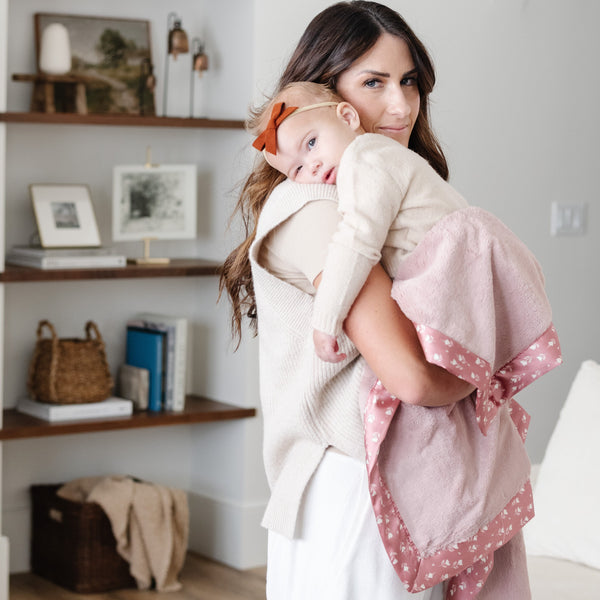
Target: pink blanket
450,485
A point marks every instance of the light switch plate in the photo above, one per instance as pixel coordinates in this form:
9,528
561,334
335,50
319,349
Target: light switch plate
567,219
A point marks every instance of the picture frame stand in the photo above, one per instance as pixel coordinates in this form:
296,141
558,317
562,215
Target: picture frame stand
147,259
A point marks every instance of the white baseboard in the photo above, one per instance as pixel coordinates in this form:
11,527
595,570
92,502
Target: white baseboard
228,532
17,528
4,567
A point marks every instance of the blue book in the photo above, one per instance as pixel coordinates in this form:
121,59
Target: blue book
168,354
145,349
176,329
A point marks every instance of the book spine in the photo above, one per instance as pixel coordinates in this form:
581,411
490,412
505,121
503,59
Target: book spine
178,361
145,349
71,412
180,365
116,411
39,252
84,262
171,365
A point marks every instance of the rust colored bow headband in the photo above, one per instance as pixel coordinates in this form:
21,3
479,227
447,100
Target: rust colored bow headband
267,140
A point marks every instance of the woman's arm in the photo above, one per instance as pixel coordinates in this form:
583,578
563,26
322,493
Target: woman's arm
388,341
375,324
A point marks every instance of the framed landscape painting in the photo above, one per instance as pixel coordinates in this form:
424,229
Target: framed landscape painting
108,53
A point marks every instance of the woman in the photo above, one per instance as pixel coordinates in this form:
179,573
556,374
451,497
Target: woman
323,540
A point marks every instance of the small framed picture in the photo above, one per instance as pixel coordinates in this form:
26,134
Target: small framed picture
154,202
64,215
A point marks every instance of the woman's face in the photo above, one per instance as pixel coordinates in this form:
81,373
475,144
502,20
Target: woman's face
382,86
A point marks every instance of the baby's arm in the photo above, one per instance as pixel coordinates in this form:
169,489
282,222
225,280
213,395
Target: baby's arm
369,201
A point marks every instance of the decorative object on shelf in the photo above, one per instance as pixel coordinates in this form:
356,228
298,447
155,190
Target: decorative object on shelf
199,65
57,93
64,215
55,50
177,43
134,384
154,202
146,85
69,370
106,56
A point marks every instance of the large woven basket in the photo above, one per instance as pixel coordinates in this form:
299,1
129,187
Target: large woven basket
69,370
72,544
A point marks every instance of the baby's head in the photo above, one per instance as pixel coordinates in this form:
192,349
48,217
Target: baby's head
305,130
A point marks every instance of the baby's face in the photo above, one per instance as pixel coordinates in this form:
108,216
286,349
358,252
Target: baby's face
310,145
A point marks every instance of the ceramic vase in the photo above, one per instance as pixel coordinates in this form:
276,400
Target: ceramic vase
55,50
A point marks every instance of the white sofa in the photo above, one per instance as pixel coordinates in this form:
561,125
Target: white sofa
557,579
561,579
563,540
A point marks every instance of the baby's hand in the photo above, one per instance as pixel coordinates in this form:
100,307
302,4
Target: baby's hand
326,347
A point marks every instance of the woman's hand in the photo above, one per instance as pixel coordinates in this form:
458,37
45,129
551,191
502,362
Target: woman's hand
388,341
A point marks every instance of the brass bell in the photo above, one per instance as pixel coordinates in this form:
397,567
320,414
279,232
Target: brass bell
177,43
178,40
200,60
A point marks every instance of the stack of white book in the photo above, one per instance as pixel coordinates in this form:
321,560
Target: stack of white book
65,258
111,407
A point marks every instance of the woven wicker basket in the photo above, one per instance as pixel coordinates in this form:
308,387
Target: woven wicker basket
70,370
72,544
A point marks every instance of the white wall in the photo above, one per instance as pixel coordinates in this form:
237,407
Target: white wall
516,110
219,464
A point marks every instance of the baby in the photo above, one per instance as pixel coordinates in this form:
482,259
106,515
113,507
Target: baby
389,196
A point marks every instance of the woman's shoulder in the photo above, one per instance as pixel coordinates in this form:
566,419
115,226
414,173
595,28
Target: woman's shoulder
375,148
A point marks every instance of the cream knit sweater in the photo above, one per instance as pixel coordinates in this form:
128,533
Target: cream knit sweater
389,198
307,404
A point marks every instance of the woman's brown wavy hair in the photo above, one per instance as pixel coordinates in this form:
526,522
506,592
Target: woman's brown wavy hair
333,40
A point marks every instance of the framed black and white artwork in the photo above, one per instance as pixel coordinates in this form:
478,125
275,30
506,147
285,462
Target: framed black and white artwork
154,202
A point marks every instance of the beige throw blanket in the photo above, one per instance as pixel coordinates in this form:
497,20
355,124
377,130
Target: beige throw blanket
150,523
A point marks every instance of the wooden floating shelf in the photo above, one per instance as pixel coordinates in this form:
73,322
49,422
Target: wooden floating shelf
18,426
178,267
116,119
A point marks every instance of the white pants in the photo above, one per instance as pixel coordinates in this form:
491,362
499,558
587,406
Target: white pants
337,553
